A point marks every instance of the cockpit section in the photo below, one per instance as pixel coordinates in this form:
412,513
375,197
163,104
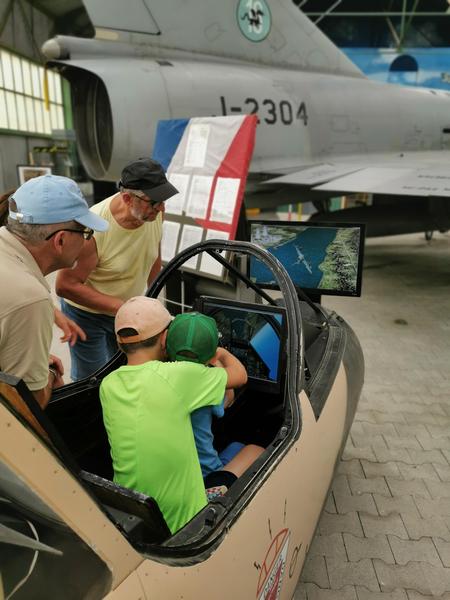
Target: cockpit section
283,343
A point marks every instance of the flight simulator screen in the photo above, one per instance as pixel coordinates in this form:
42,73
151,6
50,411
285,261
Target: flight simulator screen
253,333
321,258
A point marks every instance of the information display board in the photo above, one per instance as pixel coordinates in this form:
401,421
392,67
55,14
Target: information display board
207,160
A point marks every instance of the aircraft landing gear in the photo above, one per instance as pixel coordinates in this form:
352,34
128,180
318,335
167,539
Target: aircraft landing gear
428,235
323,205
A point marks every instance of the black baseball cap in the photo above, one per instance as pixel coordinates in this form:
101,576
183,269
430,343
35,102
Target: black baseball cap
148,176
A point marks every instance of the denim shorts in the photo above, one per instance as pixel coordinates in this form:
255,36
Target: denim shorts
100,346
230,452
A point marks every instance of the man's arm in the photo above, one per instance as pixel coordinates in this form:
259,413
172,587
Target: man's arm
236,373
55,380
27,334
71,283
156,268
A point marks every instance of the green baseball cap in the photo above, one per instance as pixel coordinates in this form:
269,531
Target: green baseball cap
193,337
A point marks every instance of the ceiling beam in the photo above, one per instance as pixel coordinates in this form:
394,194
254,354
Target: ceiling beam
328,11
379,14
5,16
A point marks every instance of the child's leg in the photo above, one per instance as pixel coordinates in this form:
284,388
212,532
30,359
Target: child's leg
243,459
230,452
225,477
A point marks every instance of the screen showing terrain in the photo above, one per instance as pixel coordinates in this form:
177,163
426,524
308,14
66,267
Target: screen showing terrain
322,258
253,335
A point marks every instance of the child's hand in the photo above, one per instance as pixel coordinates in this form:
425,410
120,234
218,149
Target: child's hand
229,398
215,360
220,354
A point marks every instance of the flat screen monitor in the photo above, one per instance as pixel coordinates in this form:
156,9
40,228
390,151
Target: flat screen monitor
321,258
255,334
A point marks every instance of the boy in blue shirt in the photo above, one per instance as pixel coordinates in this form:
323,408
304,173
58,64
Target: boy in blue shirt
194,337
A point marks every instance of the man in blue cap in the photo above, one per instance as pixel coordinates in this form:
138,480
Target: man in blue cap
48,223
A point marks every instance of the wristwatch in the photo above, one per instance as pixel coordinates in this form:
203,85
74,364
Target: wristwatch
54,372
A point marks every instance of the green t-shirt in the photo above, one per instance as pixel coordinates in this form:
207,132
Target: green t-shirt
146,410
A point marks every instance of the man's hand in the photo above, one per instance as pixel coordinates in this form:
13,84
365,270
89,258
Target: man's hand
55,363
71,331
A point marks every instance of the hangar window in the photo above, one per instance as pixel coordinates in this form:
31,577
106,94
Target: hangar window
23,89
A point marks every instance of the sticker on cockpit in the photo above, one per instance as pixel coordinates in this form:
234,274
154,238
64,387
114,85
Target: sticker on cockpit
254,19
273,568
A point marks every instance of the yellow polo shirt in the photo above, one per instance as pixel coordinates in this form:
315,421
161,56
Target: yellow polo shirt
125,256
26,314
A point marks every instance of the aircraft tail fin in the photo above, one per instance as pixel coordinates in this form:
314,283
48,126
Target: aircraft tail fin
268,32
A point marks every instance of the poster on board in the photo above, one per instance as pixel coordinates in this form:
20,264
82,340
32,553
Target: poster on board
207,160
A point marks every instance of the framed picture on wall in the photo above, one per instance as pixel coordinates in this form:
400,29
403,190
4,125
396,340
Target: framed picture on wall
26,172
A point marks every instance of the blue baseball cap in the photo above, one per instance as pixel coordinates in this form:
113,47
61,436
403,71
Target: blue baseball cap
53,199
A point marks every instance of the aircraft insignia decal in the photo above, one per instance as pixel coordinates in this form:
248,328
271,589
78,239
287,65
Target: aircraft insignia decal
254,19
273,568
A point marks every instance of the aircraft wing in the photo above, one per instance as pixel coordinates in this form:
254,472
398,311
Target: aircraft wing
409,174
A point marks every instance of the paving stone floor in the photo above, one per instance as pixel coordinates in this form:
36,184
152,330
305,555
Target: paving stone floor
385,533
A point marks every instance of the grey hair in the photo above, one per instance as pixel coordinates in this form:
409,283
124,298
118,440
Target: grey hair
35,234
130,191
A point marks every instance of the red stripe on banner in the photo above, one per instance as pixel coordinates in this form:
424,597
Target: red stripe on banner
235,164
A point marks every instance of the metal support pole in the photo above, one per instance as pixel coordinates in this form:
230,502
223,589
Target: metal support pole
410,18
5,16
30,31
379,13
328,11
393,32
402,25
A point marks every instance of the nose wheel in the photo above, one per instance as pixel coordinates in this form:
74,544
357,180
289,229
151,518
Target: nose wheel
428,235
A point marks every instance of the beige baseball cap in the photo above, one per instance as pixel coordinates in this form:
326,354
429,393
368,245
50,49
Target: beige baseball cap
147,316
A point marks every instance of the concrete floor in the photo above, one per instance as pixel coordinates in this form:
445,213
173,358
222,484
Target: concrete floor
385,533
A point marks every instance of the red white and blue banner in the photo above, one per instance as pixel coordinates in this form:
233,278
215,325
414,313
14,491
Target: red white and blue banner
207,160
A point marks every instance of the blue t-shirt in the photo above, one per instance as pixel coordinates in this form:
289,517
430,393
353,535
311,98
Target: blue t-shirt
201,420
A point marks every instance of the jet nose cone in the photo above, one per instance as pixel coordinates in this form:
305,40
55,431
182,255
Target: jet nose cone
52,50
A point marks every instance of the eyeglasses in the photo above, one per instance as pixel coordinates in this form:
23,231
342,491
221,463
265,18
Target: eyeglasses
86,233
151,202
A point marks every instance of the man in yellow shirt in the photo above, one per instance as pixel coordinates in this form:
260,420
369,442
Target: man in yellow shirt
116,265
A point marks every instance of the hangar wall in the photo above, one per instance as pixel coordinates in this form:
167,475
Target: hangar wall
23,29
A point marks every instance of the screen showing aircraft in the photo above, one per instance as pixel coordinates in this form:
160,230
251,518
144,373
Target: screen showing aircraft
321,258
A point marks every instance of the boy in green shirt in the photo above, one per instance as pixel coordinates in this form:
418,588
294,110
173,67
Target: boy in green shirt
194,337
146,410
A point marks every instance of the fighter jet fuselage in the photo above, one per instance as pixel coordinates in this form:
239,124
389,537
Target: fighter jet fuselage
324,129
304,117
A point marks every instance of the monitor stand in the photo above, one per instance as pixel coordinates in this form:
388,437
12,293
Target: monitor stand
316,298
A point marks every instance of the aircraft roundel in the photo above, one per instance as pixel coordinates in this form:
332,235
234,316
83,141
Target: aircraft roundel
254,19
